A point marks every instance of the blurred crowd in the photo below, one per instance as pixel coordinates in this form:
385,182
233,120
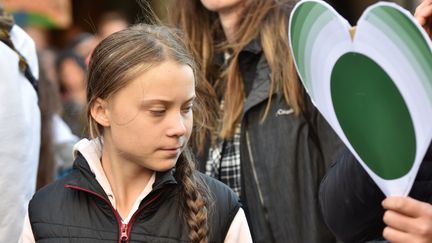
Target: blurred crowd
63,93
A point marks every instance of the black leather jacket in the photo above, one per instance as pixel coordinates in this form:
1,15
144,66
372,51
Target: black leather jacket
76,209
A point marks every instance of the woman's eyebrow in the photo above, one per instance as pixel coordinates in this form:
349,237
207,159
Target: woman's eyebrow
191,99
163,101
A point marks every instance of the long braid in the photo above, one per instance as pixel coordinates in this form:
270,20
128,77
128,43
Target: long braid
195,201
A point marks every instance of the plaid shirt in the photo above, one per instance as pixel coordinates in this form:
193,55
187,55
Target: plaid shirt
223,162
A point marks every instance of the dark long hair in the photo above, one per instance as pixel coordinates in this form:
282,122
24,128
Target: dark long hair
49,100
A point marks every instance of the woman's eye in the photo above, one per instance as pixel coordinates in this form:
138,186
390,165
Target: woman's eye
187,109
158,112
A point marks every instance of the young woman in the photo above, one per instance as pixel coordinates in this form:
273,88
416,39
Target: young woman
135,181
269,144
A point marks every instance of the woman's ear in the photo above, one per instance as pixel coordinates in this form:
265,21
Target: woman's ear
99,112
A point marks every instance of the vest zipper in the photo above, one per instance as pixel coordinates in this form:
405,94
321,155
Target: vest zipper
124,229
127,228
124,234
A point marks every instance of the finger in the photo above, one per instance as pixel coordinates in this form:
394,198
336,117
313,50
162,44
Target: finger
407,206
425,3
422,6
399,221
396,236
422,13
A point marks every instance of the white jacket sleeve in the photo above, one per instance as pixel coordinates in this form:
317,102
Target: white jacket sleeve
27,233
19,133
239,230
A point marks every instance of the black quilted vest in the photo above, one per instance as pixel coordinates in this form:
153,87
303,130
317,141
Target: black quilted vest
76,209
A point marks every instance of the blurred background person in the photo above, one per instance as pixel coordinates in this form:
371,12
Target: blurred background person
20,126
111,22
71,69
57,139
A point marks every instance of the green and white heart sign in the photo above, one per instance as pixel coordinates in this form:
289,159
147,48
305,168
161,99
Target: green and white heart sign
374,89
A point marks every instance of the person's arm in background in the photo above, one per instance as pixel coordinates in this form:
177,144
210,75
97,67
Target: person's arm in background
27,232
352,207
351,202
19,133
423,15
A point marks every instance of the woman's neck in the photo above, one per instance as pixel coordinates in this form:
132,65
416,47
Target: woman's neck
127,179
229,20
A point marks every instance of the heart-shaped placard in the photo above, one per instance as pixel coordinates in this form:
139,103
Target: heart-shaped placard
374,89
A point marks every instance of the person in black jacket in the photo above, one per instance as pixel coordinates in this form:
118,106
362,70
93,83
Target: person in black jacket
135,180
268,142
357,211
352,204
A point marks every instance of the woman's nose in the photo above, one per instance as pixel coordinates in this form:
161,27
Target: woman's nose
177,125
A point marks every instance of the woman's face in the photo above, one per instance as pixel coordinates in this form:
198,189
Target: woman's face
72,76
150,120
221,6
